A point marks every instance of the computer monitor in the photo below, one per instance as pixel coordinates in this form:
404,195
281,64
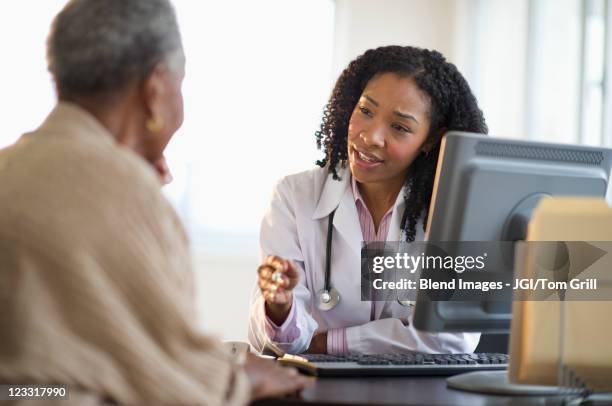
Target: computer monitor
485,190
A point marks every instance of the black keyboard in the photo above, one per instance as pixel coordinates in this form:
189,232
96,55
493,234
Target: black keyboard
396,364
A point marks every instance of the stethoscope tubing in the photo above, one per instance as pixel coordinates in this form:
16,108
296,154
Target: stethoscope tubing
328,248
331,294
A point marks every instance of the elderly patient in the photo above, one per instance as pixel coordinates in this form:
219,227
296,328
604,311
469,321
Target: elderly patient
95,278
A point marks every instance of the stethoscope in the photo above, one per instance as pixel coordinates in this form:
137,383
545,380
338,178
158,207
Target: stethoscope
329,297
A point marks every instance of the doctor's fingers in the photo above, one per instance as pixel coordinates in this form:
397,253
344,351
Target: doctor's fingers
273,266
265,271
266,284
269,286
278,263
269,274
274,285
281,296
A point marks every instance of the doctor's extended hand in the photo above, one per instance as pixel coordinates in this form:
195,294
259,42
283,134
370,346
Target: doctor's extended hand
276,279
268,379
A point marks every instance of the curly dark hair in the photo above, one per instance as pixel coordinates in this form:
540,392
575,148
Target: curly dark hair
452,107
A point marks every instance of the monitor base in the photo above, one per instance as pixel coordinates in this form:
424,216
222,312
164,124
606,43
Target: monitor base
496,383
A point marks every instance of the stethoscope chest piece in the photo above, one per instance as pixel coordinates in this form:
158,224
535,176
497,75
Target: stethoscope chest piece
327,299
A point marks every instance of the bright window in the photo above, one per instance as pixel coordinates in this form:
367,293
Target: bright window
258,76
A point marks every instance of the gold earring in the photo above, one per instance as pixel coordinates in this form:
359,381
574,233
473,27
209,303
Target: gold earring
155,124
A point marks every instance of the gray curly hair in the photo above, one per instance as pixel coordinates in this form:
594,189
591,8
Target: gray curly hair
101,45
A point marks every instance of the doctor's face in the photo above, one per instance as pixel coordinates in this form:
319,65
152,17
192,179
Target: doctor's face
387,129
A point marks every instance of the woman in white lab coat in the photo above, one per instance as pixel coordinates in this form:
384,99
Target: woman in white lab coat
381,134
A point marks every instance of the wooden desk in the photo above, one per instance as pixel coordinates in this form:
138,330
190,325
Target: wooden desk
396,391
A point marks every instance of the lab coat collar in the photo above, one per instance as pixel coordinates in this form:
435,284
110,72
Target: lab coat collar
333,191
337,195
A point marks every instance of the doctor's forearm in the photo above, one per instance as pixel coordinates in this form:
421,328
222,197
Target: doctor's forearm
318,344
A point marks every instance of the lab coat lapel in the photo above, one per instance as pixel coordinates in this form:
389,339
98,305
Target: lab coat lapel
339,196
394,235
346,221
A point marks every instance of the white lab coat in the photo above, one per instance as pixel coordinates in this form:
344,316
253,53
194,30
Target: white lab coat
295,227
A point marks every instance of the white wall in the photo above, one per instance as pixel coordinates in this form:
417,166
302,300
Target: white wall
27,93
553,85
258,76
486,39
365,24
491,49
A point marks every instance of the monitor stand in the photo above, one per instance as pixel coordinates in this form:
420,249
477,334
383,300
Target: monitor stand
496,383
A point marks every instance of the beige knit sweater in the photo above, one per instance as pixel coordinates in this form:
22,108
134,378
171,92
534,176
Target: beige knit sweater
95,275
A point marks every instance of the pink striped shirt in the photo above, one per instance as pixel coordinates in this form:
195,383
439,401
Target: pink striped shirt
336,338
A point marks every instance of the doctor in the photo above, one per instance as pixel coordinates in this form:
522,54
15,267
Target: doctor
381,135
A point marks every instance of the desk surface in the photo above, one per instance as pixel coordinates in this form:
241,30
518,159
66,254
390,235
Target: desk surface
395,391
